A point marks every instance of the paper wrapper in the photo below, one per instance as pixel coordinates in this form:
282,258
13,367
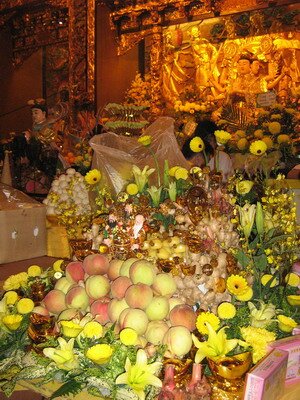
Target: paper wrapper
115,155
57,240
23,226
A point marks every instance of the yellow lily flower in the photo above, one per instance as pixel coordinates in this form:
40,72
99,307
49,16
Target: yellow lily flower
294,299
247,215
141,177
140,375
64,356
217,345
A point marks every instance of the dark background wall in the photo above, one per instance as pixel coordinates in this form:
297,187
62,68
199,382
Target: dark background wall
17,86
113,75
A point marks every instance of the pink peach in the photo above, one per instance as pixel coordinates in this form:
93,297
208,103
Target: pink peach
115,307
97,286
183,315
55,301
68,314
99,309
124,270
119,287
142,271
77,298
74,272
96,264
134,318
139,296
41,311
63,284
114,269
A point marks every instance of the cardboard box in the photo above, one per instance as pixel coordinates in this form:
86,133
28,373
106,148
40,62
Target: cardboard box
291,345
266,380
22,226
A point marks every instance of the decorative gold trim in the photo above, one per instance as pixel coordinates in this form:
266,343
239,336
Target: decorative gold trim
82,50
91,50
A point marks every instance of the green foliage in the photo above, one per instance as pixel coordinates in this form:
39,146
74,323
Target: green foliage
166,220
71,387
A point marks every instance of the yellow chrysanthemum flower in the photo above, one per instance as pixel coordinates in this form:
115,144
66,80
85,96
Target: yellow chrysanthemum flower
34,270
292,279
128,336
100,353
57,265
246,296
268,141
205,317
132,189
11,297
14,282
222,137
286,324
258,133
181,173
93,329
197,145
12,322
145,140
242,144
70,328
274,127
258,147
25,306
257,338
266,278
172,170
226,310
93,177
283,138
237,285
244,187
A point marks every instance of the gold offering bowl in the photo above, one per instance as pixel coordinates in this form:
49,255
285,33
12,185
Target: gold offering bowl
81,248
227,378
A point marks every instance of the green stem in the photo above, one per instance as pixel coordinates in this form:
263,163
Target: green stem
157,166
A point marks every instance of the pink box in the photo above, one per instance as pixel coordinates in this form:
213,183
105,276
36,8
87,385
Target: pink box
266,380
290,344
296,331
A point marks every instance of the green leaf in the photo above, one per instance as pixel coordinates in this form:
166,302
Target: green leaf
70,387
261,262
254,243
242,258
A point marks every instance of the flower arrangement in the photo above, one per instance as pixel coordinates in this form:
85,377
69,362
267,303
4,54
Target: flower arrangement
68,201
80,158
139,92
267,142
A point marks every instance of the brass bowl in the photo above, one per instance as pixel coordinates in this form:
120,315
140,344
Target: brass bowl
231,367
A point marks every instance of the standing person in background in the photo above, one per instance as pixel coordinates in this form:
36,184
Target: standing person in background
217,160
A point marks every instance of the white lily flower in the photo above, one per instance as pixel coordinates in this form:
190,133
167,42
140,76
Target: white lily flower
63,355
155,194
261,317
172,190
141,177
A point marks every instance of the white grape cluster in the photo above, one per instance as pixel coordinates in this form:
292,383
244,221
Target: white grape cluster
68,191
